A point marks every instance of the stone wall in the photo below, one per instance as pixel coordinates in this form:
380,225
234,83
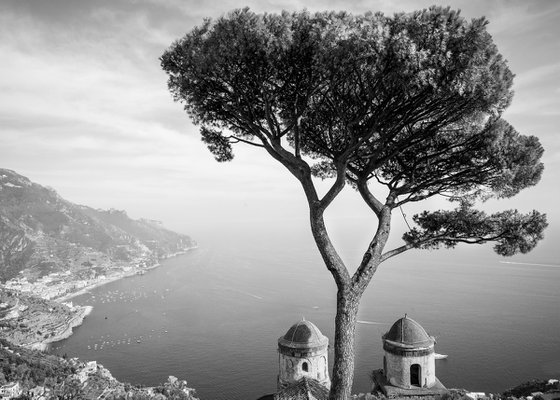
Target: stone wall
291,369
397,370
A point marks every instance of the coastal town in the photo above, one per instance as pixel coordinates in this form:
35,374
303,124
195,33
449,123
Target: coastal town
35,312
52,250
61,286
42,306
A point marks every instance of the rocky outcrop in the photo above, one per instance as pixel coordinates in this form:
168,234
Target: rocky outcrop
32,322
537,389
60,378
16,248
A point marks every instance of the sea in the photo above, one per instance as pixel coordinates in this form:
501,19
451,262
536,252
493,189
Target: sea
213,316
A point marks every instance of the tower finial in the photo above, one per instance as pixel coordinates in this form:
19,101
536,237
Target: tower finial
405,314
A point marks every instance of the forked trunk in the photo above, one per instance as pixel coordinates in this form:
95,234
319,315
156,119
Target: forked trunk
345,326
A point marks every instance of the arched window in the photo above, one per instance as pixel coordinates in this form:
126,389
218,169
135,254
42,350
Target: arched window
305,366
415,375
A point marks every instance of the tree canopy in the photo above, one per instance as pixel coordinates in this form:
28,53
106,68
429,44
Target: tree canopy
411,103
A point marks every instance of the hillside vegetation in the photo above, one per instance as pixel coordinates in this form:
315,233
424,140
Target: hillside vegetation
41,233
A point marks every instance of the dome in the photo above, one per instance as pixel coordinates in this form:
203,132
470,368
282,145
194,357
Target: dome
303,334
408,333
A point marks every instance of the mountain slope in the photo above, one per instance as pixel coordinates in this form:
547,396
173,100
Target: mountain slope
41,233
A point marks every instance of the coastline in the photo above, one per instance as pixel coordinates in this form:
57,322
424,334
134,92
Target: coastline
86,289
105,281
86,310
75,321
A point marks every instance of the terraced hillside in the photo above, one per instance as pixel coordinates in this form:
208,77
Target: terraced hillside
41,233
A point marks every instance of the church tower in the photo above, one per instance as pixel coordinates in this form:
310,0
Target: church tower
302,353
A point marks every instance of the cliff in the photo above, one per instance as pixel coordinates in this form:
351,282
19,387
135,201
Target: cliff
33,322
41,233
41,374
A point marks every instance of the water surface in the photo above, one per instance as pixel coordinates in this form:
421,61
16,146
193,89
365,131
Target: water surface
213,316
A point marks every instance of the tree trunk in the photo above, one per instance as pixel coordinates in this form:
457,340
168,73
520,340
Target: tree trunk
345,326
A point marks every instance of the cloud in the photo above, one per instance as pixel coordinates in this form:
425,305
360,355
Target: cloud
540,75
536,91
84,105
86,81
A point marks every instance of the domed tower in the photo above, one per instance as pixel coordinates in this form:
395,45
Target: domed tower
409,360
302,352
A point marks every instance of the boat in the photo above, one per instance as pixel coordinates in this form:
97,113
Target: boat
440,356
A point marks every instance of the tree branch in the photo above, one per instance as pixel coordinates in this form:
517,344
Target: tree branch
330,256
372,256
235,139
337,186
408,246
372,202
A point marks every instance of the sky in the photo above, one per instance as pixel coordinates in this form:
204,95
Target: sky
84,109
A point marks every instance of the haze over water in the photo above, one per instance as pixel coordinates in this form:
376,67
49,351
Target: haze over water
213,316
